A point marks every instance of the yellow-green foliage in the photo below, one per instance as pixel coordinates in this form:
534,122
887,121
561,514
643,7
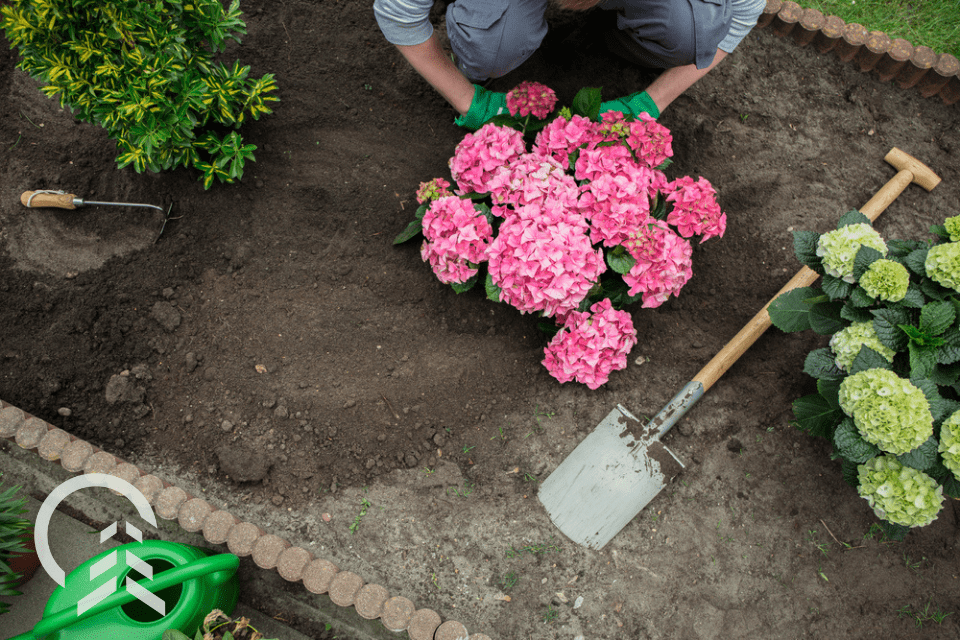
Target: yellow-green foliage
145,71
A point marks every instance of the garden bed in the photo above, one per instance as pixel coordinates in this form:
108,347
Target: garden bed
379,384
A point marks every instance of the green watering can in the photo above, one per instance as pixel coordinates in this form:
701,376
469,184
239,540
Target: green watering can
188,580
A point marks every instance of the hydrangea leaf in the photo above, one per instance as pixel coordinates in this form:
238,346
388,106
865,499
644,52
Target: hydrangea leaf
487,213
414,228
587,103
948,354
866,256
923,457
805,248
850,444
836,288
825,318
914,297
893,531
951,487
855,314
830,391
946,375
815,415
853,217
620,260
820,363
421,210
923,358
493,290
790,311
933,289
467,286
940,231
886,322
936,317
860,298
902,248
849,472
869,358
658,211
916,261
940,407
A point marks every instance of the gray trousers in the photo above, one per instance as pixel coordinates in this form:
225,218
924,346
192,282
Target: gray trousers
492,37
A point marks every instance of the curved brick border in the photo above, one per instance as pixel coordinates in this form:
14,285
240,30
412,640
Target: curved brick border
930,73
294,564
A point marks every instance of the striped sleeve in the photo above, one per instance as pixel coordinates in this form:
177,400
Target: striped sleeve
404,22
745,15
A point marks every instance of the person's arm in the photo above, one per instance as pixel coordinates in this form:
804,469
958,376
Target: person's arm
436,67
671,83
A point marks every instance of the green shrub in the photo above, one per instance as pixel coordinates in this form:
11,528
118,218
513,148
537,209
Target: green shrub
146,72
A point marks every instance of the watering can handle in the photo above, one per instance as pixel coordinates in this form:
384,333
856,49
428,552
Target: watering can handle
224,565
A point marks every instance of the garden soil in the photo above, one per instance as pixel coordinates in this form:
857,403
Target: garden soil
276,353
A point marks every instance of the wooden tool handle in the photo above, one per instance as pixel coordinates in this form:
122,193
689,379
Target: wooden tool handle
41,199
757,325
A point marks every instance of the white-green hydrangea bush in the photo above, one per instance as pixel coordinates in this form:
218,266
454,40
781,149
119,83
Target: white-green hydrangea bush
888,383
899,494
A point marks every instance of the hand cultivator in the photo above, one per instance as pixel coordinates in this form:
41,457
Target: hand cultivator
622,465
62,200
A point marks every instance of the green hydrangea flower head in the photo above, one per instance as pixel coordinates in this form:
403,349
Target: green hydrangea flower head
950,443
839,248
847,342
899,494
886,280
943,264
953,227
889,411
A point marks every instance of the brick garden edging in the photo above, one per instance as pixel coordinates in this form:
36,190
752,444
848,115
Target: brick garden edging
195,515
922,68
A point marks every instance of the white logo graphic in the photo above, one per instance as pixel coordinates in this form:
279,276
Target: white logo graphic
139,501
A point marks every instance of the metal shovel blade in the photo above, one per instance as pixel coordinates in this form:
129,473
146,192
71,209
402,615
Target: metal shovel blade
610,476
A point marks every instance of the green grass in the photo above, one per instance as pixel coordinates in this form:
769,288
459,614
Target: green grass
931,23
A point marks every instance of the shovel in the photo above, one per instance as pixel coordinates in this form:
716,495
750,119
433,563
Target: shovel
62,200
622,465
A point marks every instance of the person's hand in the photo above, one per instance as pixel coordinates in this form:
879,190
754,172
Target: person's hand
485,105
632,105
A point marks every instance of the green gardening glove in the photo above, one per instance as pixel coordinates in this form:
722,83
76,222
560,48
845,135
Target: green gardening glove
485,105
632,105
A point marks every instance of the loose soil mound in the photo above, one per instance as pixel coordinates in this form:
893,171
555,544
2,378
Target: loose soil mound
274,334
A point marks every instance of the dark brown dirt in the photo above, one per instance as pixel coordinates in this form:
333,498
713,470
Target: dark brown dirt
369,365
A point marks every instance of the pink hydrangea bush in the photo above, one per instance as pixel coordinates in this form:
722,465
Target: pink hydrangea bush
590,346
584,220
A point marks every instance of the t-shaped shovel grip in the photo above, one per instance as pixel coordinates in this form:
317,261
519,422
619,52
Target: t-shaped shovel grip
49,199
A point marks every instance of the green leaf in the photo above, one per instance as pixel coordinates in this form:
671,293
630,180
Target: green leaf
936,317
789,312
939,406
916,261
902,248
860,298
853,217
414,227
855,314
868,358
620,260
893,531
836,288
940,231
830,390
951,486
506,120
820,363
946,375
493,290
933,289
865,257
814,414
587,103
825,318
421,210
805,248
850,444
914,297
923,457
922,360
850,474
886,323
467,286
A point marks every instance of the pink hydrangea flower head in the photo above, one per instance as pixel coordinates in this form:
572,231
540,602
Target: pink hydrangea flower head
695,208
607,159
436,188
479,155
613,125
561,137
651,142
542,260
618,204
590,346
531,98
531,179
664,263
457,238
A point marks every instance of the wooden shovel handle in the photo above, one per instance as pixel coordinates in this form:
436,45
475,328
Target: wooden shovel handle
757,325
41,199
